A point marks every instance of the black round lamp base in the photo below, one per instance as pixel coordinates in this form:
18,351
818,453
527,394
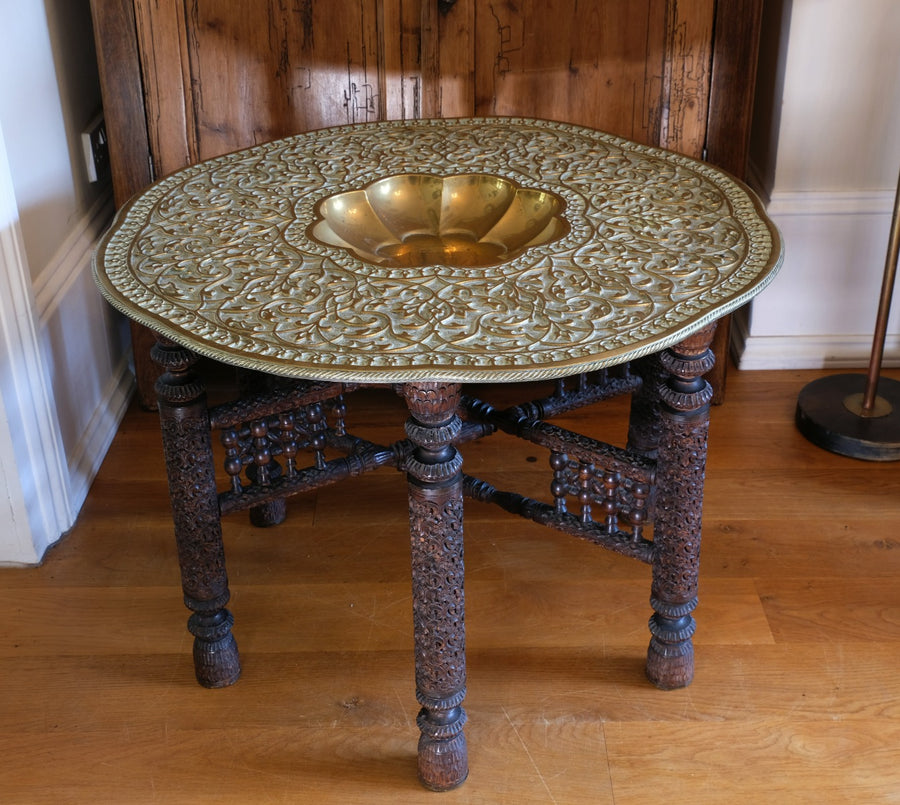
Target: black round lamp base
828,414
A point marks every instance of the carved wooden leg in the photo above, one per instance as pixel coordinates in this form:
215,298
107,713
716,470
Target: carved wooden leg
436,535
195,508
684,423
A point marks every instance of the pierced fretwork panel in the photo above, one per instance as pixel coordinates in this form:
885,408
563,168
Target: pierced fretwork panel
600,494
255,447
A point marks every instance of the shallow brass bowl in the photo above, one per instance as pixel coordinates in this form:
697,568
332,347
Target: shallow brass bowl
415,219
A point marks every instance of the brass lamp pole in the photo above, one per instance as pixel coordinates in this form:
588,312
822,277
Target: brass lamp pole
859,415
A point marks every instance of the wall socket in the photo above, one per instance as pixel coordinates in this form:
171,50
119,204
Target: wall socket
96,150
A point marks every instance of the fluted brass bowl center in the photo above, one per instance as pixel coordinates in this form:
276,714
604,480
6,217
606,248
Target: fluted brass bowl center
415,219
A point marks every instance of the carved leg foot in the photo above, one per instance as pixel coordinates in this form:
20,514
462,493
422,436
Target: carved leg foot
195,509
269,514
436,536
216,660
684,423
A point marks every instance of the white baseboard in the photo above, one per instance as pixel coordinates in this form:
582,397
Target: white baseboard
88,455
807,351
782,203
65,297
820,311
65,382
817,203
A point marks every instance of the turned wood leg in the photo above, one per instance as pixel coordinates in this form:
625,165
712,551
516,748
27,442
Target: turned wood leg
195,509
684,423
436,536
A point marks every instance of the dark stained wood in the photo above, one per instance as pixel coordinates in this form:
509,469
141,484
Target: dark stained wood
190,466
734,66
129,149
123,97
732,88
683,437
275,444
146,372
435,486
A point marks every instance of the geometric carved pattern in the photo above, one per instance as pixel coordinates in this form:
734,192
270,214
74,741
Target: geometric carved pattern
436,542
253,446
683,431
439,579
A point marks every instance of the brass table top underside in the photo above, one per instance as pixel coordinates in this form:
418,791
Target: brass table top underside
221,257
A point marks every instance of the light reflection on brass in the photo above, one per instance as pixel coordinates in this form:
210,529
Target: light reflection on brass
854,403
416,219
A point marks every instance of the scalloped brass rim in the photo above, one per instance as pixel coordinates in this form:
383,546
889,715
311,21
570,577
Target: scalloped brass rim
413,220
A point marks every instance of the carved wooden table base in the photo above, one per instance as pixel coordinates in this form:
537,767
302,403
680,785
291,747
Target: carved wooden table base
405,252
618,494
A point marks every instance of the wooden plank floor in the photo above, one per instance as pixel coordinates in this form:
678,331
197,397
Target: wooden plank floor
796,697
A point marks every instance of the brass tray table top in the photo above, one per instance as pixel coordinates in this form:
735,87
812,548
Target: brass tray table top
237,257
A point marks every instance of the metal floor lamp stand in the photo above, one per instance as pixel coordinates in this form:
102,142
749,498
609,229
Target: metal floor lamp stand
859,415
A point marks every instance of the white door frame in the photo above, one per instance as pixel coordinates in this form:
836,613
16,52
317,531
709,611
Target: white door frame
34,484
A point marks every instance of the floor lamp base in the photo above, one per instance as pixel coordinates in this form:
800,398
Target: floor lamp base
829,415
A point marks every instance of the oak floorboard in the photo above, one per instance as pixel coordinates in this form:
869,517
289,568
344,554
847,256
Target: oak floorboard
767,761
849,682
796,697
361,616
296,765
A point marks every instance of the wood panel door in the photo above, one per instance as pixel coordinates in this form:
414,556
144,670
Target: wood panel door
220,75
185,80
638,69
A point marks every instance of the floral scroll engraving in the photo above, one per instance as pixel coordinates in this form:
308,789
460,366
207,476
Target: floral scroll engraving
219,255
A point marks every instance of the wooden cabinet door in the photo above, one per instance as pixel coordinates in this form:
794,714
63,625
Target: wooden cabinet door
637,68
224,74
187,79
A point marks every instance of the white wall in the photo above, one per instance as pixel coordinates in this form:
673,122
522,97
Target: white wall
64,378
826,154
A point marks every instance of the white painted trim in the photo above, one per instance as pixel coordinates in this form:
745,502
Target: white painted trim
819,202
17,541
34,450
89,453
757,183
816,203
808,351
52,284
52,289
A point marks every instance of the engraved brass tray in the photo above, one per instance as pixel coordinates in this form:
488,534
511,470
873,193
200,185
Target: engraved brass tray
494,249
